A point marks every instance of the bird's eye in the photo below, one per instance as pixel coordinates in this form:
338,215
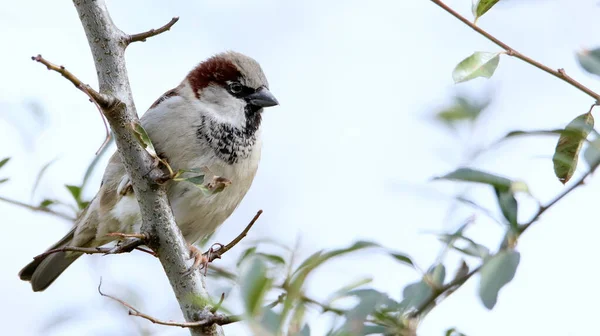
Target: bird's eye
235,87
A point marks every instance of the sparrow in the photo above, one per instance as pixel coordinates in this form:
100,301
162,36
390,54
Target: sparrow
212,120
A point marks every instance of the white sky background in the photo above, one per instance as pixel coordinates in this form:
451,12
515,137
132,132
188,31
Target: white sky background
346,156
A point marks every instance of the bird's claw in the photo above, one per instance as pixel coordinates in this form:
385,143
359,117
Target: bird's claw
201,260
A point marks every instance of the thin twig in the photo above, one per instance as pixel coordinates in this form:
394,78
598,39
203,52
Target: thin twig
141,37
216,254
36,208
209,320
218,305
560,73
95,97
451,286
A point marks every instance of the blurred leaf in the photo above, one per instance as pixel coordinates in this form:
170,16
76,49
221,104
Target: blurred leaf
244,255
40,175
472,248
76,193
255,284
496,272
46,203
416,294
592,154
355,318
569,145
463,109
273,258
480,7
472,175
144,139
403,258
508,206
374,329
4,180
454,332
438,274
94,163
270,321
344,291
216,185
480,64
590,60
4,161
305,331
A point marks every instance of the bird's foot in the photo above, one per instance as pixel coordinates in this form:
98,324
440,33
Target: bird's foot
201,260
128,242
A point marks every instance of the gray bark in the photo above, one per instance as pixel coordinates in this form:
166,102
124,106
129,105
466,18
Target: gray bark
108,45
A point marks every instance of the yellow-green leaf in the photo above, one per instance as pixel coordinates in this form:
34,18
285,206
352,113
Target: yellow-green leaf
480,64
590,60
569,144
142,136
480,7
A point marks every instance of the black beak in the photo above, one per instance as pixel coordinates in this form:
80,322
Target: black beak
262,98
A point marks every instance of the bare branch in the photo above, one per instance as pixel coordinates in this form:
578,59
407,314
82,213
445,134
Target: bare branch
216,254
141,37
99,100
37,208
209,319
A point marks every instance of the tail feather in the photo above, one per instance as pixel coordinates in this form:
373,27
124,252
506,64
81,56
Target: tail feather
42,272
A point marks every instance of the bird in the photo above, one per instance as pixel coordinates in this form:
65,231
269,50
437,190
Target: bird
211,120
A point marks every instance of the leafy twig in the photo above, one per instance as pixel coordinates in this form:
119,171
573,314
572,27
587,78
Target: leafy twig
36,208
560,73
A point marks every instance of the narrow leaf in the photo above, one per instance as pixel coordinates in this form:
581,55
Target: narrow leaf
508,206
472,175
255,284
40,175
75,192
4,180
403,258
480,64
4,161
480,7
497,271
569,145
144,139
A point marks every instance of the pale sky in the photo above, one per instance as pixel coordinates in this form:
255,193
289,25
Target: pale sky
347,155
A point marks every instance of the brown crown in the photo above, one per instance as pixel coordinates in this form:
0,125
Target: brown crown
215,70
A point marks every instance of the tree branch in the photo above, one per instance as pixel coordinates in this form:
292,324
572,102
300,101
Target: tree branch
141,37
560,73
208,320
107,44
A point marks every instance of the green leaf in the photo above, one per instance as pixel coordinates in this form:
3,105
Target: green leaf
355,318
590,60
508,206
592,154
438,275
75,192
569,145
416,294
46,203
247,253
344,291
496,272
144,139
472,175
4,180
270,321
255,284
463,109
480,7
4,161
403,258
480,64
40,175
454,332
472,248
374,330
273,258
